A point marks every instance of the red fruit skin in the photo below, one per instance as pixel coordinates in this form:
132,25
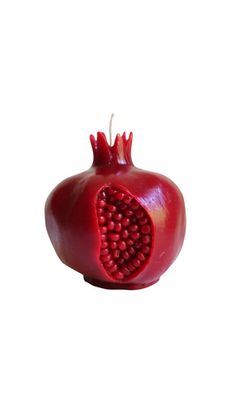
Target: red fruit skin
72,224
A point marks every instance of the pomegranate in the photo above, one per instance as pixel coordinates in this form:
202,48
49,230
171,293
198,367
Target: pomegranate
120,226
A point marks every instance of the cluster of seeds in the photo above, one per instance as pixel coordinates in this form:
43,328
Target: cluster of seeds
125,231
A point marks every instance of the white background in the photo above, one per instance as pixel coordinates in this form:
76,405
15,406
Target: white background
167,70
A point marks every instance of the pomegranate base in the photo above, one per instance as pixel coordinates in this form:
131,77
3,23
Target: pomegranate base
118,285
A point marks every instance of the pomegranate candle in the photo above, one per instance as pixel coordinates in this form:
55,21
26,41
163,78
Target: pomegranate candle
118,225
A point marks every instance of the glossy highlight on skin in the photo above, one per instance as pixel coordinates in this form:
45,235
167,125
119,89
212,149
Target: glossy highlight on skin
121,227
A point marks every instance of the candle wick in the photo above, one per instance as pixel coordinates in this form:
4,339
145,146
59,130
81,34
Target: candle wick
110,129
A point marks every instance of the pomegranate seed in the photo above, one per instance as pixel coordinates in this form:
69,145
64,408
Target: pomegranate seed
129,242
145,249
111,191
131,250
119,196
103,237
125,222
113,268
104,252
119,275
143,221
145,229
103,229
104,245
135,236
110,225
139,213
126,271
118,227
125,234
113,245
123,207
105,258
116,253
108,215
127,199
122,245
146,239
100,211
138,245
101,219
128,213
114,237
111,208
136,263
131,267
141,256
133,228
101,203
118,216
125,255
109,264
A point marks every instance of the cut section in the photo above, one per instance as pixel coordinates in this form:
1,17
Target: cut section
125,230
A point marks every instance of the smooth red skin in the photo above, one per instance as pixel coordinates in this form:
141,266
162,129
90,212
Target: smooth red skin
71,220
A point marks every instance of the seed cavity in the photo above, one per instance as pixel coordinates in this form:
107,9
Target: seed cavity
125,232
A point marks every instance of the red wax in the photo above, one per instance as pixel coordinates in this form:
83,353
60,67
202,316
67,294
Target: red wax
119,226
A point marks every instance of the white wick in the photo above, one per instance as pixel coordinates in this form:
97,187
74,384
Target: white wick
110,129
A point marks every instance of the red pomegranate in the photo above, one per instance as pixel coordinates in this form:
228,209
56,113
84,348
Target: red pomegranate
120,226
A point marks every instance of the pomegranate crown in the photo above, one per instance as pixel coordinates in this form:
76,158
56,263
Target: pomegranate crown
107,154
